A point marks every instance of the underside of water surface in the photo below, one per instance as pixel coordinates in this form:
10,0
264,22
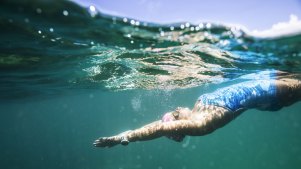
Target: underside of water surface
68,46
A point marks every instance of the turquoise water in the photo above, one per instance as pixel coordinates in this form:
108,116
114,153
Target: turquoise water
69,75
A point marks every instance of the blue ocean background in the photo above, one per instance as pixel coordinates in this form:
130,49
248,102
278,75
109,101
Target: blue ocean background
69,75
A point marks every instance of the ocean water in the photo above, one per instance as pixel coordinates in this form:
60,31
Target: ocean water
70,74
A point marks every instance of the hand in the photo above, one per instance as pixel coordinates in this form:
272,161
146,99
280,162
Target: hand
112,141
107,141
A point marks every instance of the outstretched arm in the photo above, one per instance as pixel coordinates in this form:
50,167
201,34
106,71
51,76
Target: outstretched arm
151,131
200,124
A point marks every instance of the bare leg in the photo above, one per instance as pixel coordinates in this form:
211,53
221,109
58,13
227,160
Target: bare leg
288,91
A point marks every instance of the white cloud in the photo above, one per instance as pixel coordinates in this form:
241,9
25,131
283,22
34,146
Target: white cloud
293,26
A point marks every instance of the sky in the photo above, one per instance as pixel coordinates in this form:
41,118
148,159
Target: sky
255,15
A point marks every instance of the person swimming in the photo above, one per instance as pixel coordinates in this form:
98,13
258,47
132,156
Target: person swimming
271,91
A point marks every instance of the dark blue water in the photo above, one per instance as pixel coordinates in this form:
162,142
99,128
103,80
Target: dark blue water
68,76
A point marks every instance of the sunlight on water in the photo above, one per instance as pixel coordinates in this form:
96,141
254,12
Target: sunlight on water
121,53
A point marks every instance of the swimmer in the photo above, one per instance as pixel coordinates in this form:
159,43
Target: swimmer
214,110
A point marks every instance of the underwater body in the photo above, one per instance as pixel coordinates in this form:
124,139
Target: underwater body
70,74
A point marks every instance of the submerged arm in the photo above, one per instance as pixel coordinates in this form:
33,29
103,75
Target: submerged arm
199,124
151,131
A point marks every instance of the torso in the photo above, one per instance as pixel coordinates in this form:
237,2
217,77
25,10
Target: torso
259,94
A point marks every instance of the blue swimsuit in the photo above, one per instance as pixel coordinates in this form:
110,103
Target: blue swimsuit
260,94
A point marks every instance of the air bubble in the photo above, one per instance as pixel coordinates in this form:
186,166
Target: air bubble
65,13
